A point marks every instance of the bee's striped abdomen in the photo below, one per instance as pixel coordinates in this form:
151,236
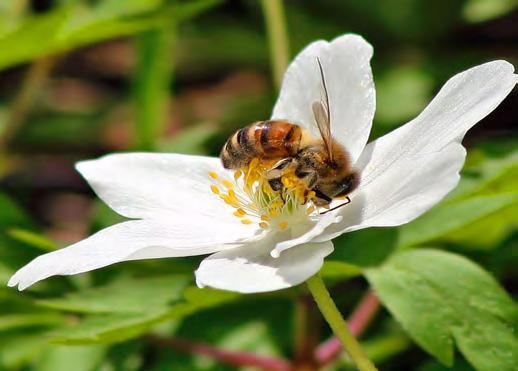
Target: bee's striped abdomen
264,139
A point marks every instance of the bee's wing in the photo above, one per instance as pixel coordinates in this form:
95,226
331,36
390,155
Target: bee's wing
322,115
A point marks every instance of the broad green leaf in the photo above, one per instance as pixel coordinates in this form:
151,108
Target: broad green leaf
451,216
61,358
441,298
496,228
13,321
129,295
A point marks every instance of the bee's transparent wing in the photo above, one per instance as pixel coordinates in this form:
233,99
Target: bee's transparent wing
322,114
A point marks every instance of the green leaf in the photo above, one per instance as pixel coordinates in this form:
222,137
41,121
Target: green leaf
14,321
484,10
72,26
402,93
451,216
440,297
61,358
129,295
33,239
366,247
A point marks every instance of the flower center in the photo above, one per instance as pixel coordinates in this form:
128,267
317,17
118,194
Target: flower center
254,200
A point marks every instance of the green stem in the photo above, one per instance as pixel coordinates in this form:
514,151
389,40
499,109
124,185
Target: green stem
152,84
278,37
338,325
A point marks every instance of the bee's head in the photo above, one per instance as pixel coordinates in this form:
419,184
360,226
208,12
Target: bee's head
346,185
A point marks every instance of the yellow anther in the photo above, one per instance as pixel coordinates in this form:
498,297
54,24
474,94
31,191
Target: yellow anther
246,221
231,193
265,218
240,212
285,181
238,174
263,225
214,189
283,225
310,209
228,184
311,194
274,213
213,174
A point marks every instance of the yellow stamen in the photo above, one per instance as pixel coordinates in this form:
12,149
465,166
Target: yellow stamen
263,225
227,184
265,218
240,212
238,174
283,225
213,175
246,221
310,209
214,189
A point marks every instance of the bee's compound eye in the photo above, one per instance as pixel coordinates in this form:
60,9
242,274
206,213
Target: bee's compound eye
347,184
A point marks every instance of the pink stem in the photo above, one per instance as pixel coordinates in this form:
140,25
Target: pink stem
358,322
222,355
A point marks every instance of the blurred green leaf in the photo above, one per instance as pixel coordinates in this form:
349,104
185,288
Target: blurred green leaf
61,358
17,350
33,239
130,295
190,140
366,247
207,296
72,26
440,297
451,216
401,93
14,321
485,10
488,174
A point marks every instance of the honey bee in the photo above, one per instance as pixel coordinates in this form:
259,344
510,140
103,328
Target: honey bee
322,163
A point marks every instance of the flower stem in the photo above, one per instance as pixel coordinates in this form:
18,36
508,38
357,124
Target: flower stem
278,37
338,325
362,315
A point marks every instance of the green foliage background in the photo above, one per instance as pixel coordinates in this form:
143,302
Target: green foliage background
83,78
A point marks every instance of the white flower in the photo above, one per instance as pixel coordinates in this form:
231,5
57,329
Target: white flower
275,245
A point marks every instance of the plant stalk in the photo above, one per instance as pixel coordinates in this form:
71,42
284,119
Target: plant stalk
337,323
277,36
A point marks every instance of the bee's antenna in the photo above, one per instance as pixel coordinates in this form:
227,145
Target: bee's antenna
337,207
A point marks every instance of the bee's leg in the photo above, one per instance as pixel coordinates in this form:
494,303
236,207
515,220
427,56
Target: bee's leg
277,171
310,177
280,168
348,201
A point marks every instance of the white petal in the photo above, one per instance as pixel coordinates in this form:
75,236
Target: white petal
316,230
251,268
149,185
346,64
463,101
132,240
403,192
